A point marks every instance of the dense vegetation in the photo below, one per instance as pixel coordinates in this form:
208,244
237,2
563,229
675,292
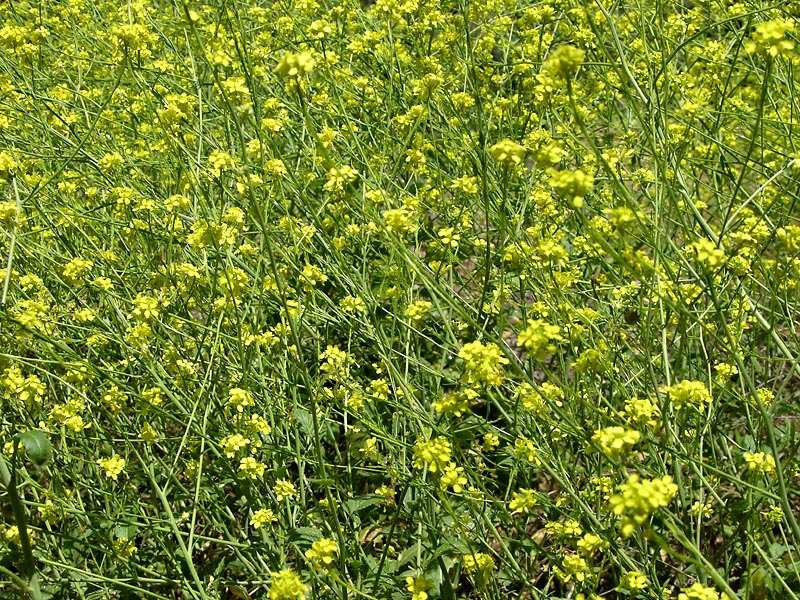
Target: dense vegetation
404,299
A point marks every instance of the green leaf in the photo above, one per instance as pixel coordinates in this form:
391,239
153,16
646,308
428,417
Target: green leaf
125,531
357,504
304,420
453,545
37,446
777,550
305,534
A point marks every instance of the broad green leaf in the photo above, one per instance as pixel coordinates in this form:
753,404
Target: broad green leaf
357,504
306,534
37,446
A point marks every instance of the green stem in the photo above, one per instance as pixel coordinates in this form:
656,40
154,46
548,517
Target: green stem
18,508
184,551
765,416
697,558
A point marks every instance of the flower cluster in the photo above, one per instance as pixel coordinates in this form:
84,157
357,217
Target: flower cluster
113,466
322,553
770,38
689,393
433,454
539,338
698,591
478,563
263,517
572,186
615,441
418,587
292,65
760,462
287,585
483,363
508,152
524,501
639,498
564,61
707,254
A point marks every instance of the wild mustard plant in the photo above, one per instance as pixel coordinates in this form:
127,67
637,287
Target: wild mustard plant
399,299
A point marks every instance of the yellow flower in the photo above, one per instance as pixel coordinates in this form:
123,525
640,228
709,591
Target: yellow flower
508,152
418,587
642,411
124,548
400,220
28,390
11,535
292,65
417,310
112,466
453,478
239,399
490,442
699,509
231,444
573,567
262,518
615,441
386,493
252,469
698,591
49,512
564,61
688,392
110,161
572,186
7,165
478,563
525,448
468,185
284,489
456,403
322,553
435,454
352,304
707,254
633,581
448,237
8,213
770,38
133,37
760,462
539,338
336,362
286,585
148,434
339,177
774,514
591,543
76,269
523,501
638,499
483,363
570,528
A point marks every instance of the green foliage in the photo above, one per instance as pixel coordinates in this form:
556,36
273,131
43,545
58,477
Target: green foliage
37,447
418,299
